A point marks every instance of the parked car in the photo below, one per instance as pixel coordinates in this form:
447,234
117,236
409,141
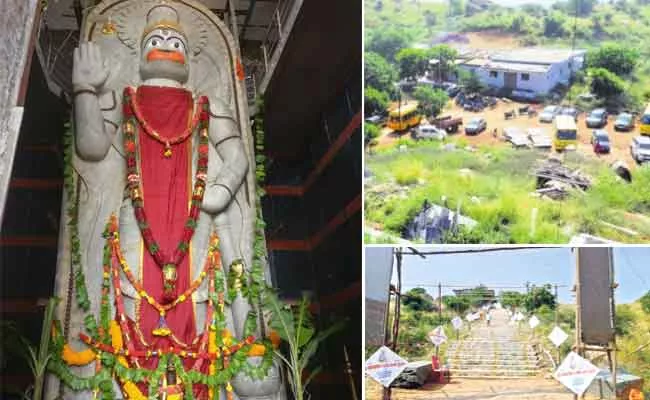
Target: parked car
475,126
624,122
569,111
600,141
640,149
448,123
548,114
376,119
428,132
523,94
597,118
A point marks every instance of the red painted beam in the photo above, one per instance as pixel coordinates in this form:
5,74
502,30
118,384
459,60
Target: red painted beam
297,191
335,300
311,243
40,184
28,241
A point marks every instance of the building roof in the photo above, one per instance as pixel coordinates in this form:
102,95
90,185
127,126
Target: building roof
506,66
536,55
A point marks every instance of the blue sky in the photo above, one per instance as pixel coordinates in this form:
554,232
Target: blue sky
515,268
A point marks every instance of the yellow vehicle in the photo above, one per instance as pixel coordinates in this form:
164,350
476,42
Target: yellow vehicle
644,127
566,132
404,117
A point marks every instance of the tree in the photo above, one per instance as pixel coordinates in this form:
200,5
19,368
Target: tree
470,81
456,7
553,25
379,74
518,24
375,101
539,296
645,302
418,300
370,131
582,7
430,19
614,57
512,299
412,63
431,101
445,56
456,303
387,42
478,296
604,83
625,319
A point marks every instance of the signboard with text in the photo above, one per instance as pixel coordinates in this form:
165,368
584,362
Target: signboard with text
384,366
576,373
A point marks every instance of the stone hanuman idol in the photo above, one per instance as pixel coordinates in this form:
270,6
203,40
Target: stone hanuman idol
165,213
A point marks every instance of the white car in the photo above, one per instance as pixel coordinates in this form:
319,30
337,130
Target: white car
548,114
640,149
429,132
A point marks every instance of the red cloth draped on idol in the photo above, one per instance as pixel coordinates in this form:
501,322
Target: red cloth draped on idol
154,271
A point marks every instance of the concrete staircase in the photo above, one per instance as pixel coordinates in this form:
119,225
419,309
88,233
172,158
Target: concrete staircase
493,352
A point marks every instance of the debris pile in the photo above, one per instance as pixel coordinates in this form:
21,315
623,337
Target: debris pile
555,180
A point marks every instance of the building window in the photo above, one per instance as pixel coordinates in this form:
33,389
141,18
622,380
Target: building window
525,77
494,74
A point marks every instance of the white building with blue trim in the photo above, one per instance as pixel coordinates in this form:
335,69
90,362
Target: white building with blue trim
531,69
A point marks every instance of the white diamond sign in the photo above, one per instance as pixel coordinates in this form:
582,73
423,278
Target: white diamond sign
533,322
576,373
384,366
558,336
457,322
438,336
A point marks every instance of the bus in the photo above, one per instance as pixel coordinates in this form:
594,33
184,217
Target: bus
644,126
566,132
404,117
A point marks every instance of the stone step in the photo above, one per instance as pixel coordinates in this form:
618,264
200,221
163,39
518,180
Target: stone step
508,367
470,376
480,345
486,372
493,360
491,354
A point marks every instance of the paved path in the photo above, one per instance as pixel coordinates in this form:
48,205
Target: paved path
498,364
494,351
478,389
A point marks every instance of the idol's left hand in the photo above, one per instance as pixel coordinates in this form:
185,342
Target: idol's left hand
216,199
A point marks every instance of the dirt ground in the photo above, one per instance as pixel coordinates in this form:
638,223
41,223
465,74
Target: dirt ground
619,141
476,389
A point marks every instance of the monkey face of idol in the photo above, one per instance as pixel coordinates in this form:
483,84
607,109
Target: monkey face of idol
164,47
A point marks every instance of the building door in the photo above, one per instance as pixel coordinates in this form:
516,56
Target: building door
510,80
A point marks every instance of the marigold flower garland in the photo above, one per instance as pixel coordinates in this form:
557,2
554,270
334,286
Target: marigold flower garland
132,118
116,365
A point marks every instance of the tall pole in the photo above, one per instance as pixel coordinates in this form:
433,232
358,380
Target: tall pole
612,358
439,314
578,339
398,300
557,306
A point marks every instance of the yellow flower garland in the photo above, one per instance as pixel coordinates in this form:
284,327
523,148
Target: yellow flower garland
130,389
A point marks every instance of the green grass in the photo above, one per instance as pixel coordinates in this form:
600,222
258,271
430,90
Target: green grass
493,186
413,342
632,355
